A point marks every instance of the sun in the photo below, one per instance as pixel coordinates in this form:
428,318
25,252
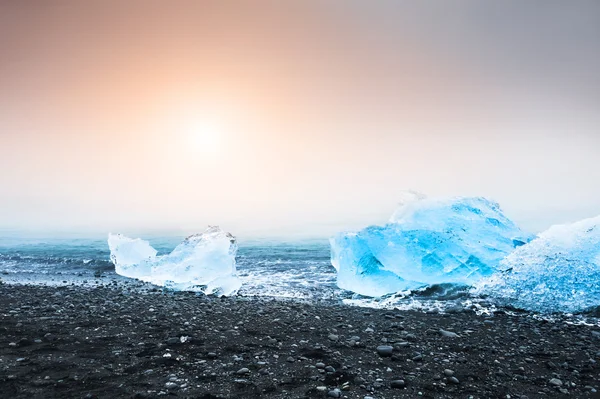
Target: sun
203,130
204,135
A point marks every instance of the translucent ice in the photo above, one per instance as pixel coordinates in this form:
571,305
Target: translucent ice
202,262
427,241
131,257
557,272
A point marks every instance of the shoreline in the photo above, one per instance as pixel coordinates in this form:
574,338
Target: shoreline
116,340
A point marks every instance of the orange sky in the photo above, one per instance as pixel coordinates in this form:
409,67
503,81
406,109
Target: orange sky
320,113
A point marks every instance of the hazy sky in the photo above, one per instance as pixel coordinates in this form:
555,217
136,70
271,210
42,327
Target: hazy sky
300,117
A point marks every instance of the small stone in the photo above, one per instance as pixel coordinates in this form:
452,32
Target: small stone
455,309
320,365
448,334
334,393
184,339
410,337
385,350
398,384
556,382
333,337
448,373
329,369
454,380
171,385
290,359
242,371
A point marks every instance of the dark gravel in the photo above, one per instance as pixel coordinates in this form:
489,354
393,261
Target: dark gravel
121,341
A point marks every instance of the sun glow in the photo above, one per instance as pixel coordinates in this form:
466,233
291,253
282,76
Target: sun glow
204,135
201,130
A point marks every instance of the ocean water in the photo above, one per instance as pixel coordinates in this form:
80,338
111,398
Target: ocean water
299,270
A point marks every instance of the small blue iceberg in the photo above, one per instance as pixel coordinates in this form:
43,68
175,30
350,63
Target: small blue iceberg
427,241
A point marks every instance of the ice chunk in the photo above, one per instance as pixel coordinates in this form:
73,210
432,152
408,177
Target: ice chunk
557,272
428,241
406,204
131,257
202,262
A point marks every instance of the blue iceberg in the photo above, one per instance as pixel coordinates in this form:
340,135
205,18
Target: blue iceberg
202,262
559,271
427,241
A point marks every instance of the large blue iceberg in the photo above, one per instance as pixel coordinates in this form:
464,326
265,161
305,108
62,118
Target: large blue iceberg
559,271
202,262
427,241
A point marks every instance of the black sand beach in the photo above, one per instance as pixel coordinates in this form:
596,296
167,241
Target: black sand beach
121,341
